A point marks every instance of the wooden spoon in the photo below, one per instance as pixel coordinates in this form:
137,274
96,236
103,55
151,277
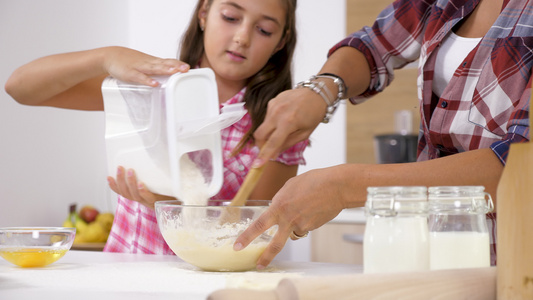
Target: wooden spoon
247,187
233,214
515,223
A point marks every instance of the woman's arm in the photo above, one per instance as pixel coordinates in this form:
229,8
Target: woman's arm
309,200
476,167
364,60
73,80
294,114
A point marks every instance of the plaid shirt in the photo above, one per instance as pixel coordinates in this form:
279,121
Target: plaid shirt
135,227
486,103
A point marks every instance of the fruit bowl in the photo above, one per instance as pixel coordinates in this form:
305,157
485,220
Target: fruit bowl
31,247
203,236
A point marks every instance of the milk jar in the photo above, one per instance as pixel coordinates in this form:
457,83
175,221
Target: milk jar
396,232
458,232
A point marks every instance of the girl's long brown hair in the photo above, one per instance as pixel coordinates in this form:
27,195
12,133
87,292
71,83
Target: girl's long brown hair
271,80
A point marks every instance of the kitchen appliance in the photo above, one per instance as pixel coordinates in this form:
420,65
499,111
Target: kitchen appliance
153,129
395,148
400,146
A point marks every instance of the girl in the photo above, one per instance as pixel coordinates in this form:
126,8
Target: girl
249,46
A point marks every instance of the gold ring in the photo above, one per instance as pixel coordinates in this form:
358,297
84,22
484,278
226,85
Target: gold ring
295,236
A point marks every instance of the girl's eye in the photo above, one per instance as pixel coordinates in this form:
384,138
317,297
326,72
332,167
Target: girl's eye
264,32
229,18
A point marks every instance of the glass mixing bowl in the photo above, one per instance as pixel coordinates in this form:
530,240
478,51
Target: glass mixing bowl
204,236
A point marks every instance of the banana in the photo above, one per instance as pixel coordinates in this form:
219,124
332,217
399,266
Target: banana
79,239
81,226
69,221
93,232
106,220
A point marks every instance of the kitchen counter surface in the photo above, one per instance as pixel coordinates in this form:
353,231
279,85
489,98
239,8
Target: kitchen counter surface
97,275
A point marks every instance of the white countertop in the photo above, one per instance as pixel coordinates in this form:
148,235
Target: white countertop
97,275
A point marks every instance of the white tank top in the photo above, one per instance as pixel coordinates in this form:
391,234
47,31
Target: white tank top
452,52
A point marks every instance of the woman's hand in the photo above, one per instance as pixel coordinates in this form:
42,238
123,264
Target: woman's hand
305,202
291,117
136,67
127,186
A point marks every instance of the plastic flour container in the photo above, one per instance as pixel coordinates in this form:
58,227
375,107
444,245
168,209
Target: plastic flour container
152,130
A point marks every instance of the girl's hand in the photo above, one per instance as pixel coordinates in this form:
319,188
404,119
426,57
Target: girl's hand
74,80
127,186
136,67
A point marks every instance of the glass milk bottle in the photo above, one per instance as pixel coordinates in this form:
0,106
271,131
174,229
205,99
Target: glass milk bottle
458,232
396,232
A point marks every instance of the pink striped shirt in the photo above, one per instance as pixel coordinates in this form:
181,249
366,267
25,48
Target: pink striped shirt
135,227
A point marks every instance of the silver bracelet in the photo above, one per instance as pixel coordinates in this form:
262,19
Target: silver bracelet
321,89
341,86
341,91
318,88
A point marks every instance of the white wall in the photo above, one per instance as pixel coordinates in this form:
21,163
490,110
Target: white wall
50,157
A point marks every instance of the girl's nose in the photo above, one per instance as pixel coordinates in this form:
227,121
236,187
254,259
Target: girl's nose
242,36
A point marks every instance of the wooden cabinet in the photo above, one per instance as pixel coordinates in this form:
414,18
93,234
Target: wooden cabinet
341,242
375,116
338,243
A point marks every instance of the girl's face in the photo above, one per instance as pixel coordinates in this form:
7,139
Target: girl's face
240,36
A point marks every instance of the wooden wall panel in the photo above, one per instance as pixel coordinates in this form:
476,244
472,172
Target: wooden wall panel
376,116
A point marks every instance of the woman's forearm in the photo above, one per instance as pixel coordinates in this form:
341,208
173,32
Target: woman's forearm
351,65
476,167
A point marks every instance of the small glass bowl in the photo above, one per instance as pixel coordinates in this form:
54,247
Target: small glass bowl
32,247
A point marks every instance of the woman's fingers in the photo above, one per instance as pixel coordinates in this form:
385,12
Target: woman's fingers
262,224
274,248
291,117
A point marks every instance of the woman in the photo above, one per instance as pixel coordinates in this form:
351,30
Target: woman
474,86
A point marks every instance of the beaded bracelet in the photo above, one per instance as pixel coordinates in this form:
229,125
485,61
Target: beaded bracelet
317,87
338,81
321,89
